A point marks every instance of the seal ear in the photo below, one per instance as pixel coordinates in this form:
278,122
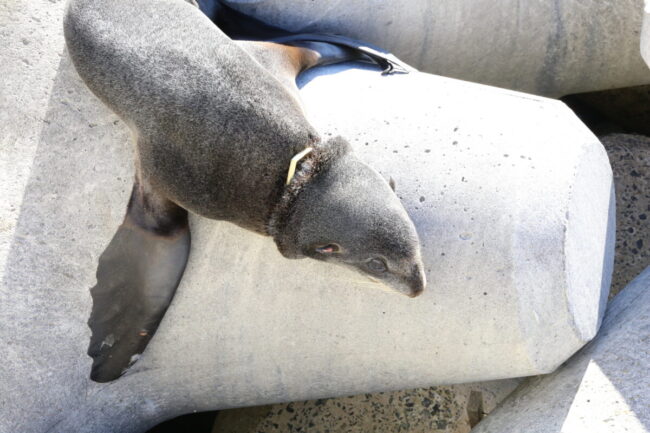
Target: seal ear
137,277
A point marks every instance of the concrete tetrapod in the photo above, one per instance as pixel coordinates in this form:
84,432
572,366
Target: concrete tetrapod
512,196
604,388
543,47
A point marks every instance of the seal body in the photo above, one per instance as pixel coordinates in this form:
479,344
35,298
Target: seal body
217,123
215,130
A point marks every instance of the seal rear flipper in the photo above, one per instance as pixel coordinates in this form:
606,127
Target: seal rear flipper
239,26
387,61
137,277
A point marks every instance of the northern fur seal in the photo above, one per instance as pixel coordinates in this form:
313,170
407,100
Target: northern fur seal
220,131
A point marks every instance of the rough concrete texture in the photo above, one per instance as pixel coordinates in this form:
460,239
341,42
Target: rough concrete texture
605,388
440,409
629,156
471,163
456,408
645,35
550,48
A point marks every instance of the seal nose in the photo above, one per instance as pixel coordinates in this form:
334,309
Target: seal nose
417,282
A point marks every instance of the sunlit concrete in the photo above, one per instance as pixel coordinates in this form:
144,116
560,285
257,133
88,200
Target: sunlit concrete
511,195
550,48
604,388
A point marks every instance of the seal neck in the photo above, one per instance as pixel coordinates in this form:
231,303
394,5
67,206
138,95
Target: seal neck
309,167
294,162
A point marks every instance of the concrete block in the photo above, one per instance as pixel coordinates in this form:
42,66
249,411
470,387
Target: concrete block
511,194
604,388
645,34
543,47
629,155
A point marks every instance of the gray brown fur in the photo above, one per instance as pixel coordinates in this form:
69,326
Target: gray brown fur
193,97
216,123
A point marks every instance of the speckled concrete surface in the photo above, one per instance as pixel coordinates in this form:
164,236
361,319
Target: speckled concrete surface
427,410
454,409
629,156
604,388
456,406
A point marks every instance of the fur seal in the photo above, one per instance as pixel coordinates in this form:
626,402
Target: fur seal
218,124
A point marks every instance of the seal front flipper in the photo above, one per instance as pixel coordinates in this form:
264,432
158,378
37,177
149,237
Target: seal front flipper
137,277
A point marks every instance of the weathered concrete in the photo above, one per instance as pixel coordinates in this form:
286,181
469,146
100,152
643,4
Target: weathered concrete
456,408
510,193
438,409
629,156
550,48
645,34
605,388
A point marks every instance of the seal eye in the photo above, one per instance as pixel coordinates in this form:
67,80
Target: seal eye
377,265
328,249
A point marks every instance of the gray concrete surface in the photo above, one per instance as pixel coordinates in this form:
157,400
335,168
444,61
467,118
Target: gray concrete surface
629,155
438,409
645,34
550,48
457,408
605,388
510,192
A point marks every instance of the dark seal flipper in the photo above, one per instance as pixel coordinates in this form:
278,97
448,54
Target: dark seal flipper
137,277
239,26
388,62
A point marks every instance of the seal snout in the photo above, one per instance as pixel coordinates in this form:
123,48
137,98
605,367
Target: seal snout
416,292
417,281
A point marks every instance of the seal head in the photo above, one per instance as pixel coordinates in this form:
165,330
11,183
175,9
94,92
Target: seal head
342,211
